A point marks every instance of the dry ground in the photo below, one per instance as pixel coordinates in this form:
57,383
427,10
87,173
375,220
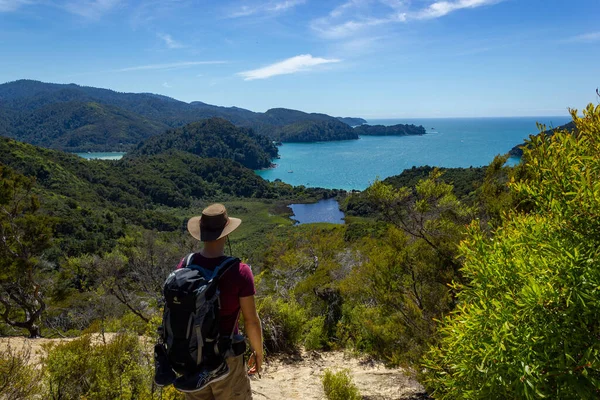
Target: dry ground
292,377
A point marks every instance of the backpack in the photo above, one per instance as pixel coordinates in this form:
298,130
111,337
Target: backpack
190,325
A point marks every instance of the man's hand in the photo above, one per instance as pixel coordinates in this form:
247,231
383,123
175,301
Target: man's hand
255,363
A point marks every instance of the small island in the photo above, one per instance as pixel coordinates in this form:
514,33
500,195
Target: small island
393,130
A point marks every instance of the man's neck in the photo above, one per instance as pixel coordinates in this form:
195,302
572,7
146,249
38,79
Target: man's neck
211,254
213,249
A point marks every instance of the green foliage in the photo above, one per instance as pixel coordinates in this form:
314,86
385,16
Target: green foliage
90,368
393,296
339,386
527,321
316,336
283,323
315,131
392,130
19,380
25,235
214,138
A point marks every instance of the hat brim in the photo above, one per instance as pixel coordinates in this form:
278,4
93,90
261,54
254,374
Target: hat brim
193,227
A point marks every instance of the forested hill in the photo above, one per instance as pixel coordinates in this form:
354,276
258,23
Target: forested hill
216,138
78,118
352,121
517,151
94,200
393,130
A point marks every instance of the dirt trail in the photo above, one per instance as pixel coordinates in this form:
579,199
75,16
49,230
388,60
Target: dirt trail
296,377
299,377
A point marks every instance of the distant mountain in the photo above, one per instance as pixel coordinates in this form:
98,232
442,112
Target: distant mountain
213,138
315,131
393,130
70,117
79,126
517,151
352,121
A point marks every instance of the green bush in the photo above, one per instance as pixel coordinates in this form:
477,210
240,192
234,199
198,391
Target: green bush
339,386
93,369
316,336
283,323
18,379
528,317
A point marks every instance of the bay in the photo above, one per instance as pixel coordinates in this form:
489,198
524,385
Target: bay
450,142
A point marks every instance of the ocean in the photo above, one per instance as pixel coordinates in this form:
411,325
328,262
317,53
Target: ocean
450,142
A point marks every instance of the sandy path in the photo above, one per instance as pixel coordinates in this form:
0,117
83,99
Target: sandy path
299,377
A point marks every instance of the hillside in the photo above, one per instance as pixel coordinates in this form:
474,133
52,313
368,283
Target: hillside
78,118
352,121
315,131
82,126
393,130
214,137
517,151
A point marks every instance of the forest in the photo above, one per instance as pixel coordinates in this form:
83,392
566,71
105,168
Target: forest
482,281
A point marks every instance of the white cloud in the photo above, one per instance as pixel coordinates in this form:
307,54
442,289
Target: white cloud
355,16
303,62
177,65
169,41
166,85
441,8
585,38
92,9
12,5
270,7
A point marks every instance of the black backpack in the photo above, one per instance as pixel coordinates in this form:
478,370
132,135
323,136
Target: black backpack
190,325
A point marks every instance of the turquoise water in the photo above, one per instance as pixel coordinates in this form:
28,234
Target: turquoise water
354,164
322,211
101,156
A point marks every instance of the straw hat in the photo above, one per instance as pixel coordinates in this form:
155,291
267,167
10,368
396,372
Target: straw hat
213,224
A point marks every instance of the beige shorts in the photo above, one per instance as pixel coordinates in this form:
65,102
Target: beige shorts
236,386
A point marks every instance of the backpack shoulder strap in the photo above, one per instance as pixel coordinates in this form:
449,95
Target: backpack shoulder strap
188,259
224,267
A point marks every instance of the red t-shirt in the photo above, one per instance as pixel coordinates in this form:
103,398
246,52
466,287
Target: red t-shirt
236,282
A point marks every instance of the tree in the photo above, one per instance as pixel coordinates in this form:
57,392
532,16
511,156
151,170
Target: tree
24,236
402,284
528,317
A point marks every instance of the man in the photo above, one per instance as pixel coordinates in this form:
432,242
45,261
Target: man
237,291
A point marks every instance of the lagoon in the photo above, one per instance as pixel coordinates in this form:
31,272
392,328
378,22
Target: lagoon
101,156
322,211
450,142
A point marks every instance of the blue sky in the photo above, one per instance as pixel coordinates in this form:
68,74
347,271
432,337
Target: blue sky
369,58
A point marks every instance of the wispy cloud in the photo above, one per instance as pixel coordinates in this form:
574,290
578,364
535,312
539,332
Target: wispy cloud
303,62
585,38
12,5
355,16
166,85
177,65
271,7
170,42
442,8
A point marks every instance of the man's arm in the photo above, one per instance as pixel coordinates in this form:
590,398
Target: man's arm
253,329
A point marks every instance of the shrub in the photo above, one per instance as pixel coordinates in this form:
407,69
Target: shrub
117,369
283,323
18,379
528,319
339,386
316,336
